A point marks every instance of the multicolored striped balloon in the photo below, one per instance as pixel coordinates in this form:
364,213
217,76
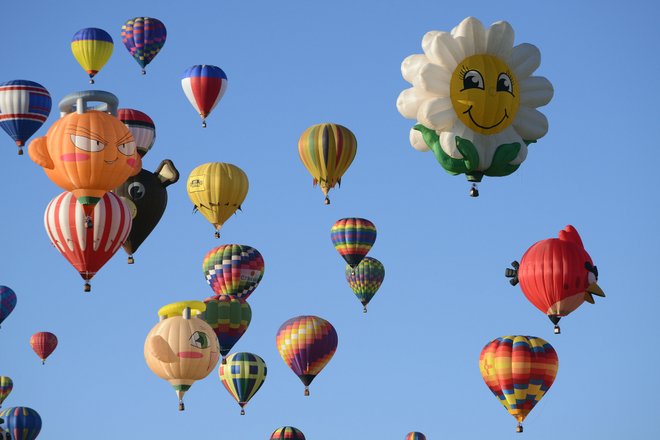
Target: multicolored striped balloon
306,343
519,370
353,238
24,107
142,128
143,37
365,279
233,269
6,385
43,344
229,318
415,436
21,422
92,48
87,248
287,433
7,302
204,86
327,150
242,376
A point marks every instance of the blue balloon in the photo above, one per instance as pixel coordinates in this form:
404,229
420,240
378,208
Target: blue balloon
24,107
22,422
7,302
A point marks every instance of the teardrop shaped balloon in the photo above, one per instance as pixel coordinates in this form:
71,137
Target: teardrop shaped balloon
204,86
365,279
217,190
327,150
233,269
353,238
519,370
229,318
143,37
24,107
6,385
415,436
242,376
87,249
7,302
287,433
21,422
43,344
142,128
92,48
306,343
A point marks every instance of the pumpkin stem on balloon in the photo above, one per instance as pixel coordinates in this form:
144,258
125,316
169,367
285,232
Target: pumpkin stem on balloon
306,391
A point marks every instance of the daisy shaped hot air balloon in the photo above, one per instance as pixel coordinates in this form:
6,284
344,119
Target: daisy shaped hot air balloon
474,99
204,86
143,37
24,107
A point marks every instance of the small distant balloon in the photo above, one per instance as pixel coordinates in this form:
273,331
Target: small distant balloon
24,107
7,302
92,48
43,344
143,37
6,385
204,86
287,433
415,436
365,279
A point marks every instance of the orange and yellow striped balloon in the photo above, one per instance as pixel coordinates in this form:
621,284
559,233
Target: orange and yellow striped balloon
327,150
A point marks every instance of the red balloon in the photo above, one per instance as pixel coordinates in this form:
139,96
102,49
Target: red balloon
557,275
43,343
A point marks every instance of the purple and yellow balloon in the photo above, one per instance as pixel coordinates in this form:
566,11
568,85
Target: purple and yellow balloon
143,37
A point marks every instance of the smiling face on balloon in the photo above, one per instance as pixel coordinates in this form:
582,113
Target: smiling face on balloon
484,93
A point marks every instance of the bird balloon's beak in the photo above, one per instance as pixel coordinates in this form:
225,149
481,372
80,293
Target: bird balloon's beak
593,289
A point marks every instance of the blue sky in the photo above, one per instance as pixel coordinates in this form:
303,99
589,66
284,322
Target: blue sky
411,363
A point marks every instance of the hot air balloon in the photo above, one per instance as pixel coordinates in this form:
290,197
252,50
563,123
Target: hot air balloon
233,269
24,107
146,196
92,48
327,150
306,343
415,436
180,349
6,385
142,128
4,435
21,422
217,190
87,249
365,279
143,37
519,370
287,433
474,99
43,344
557,275
242,376
204,86
7,302
229,318
87,152
353,238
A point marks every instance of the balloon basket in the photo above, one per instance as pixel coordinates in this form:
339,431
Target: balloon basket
131,260
326,201
20,151
474,191
143,72
91,81
224,360
203,124
217,234
43,362
87,287
557,330
181,406
519,428
306,391
242,412
88,222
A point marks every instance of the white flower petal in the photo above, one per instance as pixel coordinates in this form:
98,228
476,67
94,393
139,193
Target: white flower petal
411,65
530,123
409,101
510,136
535,91
417,141
441,49
499,40
448,144
525,59
434,79
437,114
470,36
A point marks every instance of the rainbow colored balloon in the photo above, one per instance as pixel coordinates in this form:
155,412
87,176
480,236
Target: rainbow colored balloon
6,385
306,343
519,370
233,269
21,422
415,436
229,318
7,302
143,37
365,279
353,238
242,376
287,433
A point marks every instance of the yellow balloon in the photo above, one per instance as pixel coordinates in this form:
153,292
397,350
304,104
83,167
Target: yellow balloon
92,48
217,190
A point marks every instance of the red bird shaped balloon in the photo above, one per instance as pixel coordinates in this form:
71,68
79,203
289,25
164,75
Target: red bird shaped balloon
557,275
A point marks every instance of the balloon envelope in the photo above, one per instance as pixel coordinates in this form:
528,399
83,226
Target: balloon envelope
415,436
233,269
242,376
204,85
43,344
24,107
92,48
229,318
287,433
142,128
143,37
353,238
365,279
7,302
21,422
6,385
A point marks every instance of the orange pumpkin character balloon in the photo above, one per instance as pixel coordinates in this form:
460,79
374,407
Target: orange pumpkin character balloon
88,151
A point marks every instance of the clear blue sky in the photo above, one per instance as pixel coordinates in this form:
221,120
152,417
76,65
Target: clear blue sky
411,363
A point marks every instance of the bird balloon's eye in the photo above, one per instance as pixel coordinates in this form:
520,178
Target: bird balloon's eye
472,79
504,83
199,340
136,190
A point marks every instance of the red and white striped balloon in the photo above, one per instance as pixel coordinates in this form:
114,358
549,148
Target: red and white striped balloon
87,248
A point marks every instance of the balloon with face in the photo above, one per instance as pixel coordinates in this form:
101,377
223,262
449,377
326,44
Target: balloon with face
181,349
146,195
